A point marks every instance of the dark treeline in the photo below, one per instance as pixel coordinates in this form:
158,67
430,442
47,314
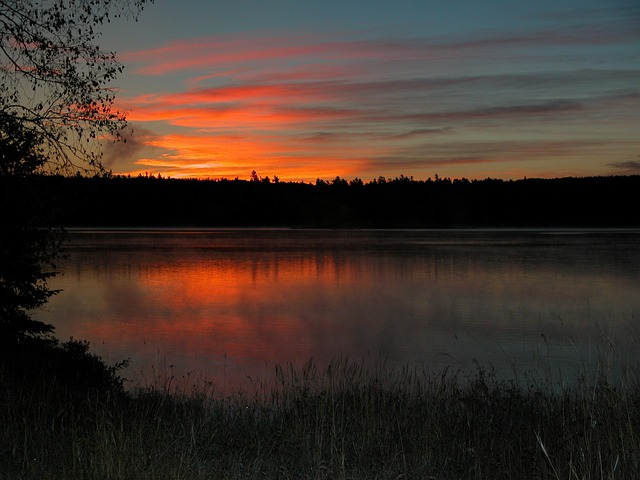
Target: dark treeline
382,203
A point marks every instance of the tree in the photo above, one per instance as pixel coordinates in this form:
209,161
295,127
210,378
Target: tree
27,251
55,80
56,106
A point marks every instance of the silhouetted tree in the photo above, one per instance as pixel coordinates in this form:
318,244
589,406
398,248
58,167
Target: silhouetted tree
339,182
27,251
56,107
55,78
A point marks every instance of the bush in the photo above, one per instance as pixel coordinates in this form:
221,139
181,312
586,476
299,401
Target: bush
36,361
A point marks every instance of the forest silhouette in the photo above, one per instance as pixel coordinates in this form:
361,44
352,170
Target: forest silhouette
401,202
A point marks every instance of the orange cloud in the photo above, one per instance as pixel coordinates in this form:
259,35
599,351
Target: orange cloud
304,107
227,155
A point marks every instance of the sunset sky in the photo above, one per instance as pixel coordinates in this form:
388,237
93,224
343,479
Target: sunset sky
318,89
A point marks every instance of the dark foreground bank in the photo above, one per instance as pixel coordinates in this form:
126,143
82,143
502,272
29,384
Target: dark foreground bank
348,421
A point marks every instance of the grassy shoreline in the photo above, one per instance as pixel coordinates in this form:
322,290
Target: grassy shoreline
350,421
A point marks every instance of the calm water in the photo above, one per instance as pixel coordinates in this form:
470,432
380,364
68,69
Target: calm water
227,305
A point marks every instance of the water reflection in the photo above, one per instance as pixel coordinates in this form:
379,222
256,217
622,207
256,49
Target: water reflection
230,304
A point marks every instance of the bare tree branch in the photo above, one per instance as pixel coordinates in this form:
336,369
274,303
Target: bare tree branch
55,80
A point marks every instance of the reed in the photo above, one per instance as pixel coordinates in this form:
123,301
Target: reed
350,420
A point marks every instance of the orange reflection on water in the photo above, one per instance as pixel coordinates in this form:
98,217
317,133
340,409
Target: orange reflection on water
201,311
231,305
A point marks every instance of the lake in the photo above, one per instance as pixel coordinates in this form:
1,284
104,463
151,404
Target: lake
226,306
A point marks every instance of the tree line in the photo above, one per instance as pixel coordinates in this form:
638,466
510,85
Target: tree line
401,202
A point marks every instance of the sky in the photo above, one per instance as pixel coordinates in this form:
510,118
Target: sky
360,89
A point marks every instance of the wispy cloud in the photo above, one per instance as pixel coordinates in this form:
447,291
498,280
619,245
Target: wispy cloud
117,155
631,167
236,50
305,106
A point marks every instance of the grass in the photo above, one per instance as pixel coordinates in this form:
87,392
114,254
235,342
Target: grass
348,421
